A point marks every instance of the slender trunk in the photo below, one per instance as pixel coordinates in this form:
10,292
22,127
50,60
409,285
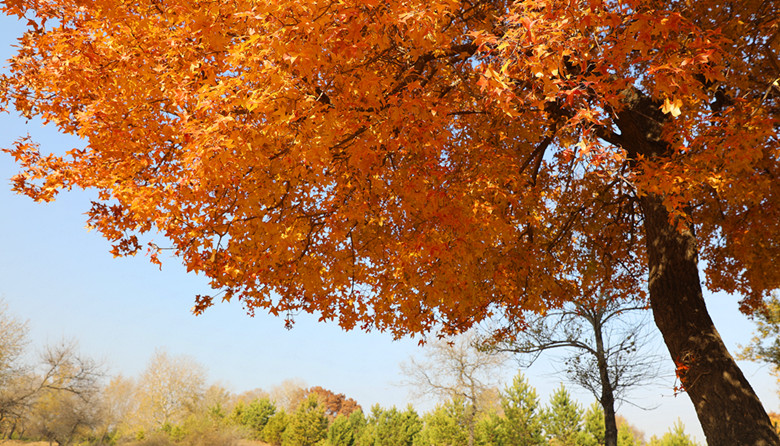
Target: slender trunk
471,421
729,411
607,399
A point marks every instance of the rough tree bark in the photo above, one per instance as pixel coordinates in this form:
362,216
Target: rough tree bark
728,408
729,411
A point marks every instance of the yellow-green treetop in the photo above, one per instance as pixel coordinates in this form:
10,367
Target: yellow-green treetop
420,166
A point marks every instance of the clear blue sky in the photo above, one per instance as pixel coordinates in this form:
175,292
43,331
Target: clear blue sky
64,281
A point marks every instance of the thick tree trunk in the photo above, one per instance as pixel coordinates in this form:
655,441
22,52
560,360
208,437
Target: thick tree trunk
729,411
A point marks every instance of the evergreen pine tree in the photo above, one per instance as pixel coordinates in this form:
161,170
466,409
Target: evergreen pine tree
626,437
490,430
675,437
254,416
308,424
274,429
396,428
340,432
445,425
563,419
595,429
522,423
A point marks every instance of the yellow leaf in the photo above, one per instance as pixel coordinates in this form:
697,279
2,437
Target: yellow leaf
672,107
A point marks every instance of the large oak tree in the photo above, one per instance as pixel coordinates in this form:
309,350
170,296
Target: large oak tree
422,165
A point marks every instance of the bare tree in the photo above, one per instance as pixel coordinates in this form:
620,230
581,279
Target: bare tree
459,369
59,400
604,338
66,400
248,396
118,404
14,376
289,394
169,388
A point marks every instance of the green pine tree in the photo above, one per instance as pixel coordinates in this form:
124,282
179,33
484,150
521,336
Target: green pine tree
308,425
368,433
358,425
675,437
340,432
490,430
523,422
445,425
626,437
595,430
563,419
254,416
274,429
395,428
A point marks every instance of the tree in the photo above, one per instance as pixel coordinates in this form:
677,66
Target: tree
118,404
251,395
340,432
594,425
289,394
522,424
594,429
775,417
563,419
357,423
765,345
391,427
605,340
274,429
675,437
334,404
626,436
254,416
63,417
59,401
169,389
445,425
457,371
307,425
14,382
418,166
67,404
490,430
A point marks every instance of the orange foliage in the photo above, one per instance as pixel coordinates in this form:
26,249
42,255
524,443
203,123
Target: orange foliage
407,165
335,404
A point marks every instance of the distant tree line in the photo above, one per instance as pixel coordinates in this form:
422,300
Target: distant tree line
66,399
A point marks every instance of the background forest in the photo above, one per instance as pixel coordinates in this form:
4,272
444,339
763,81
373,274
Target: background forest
172,404
67,399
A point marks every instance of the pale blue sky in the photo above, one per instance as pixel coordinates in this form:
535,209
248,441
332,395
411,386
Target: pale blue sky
63,279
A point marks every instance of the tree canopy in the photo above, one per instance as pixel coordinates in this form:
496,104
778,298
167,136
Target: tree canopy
419,166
